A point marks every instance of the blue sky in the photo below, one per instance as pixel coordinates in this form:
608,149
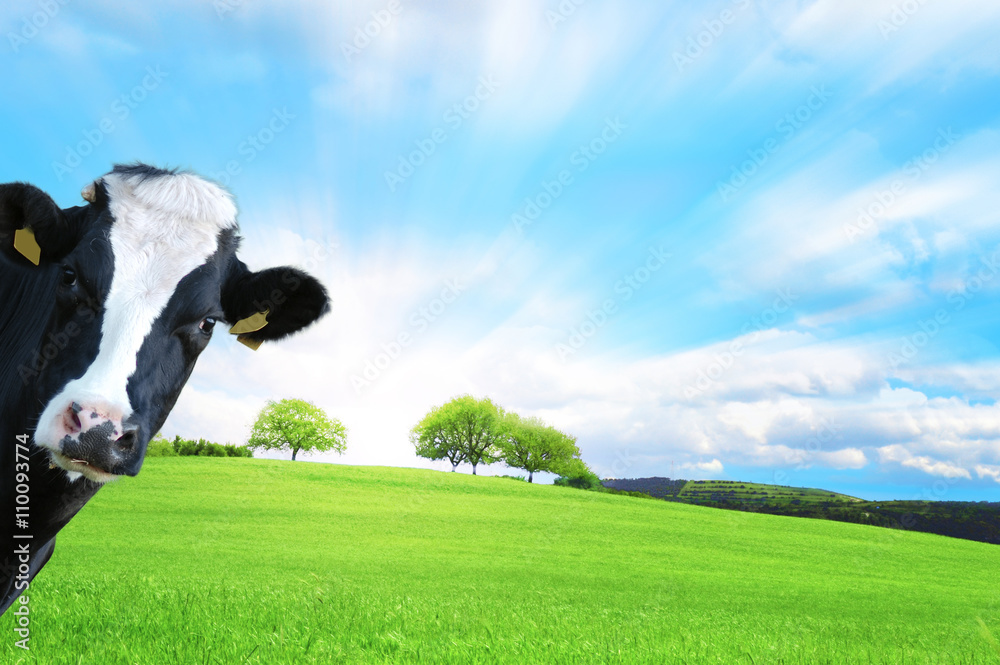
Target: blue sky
749,240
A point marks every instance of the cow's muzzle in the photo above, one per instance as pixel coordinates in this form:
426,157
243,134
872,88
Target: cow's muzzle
98,443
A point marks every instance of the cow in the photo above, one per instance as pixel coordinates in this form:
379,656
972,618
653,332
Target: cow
104,309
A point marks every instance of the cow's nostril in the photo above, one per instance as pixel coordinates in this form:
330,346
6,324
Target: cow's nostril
126,442
72,420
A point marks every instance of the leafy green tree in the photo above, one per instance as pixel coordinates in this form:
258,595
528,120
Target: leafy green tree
465,429
297,425
577,474
201,448
159,446
532,445
435,437
232,450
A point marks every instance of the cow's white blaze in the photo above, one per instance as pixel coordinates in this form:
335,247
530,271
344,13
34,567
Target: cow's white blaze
164,227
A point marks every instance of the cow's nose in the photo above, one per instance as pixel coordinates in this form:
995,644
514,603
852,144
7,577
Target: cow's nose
80,418
95,434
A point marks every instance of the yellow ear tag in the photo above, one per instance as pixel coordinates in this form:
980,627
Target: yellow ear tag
251,323
25,243
251,343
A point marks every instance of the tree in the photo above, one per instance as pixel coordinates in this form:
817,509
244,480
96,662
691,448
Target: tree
532,445
465,429
294,424
159,447
436,438
577,474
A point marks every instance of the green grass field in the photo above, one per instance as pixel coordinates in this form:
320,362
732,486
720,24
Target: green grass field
203,560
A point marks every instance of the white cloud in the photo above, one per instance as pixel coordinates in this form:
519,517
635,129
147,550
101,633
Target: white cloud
984,471
848,458
892,39
937,468
893,296
702,469
811,225
899,453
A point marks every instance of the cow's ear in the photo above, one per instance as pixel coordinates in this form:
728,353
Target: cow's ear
290,298
32,227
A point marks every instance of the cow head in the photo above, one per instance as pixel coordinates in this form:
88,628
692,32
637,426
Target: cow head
135,281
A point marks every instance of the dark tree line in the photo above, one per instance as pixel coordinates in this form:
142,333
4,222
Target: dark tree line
161,447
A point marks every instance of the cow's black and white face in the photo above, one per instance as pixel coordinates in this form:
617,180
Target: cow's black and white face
137,289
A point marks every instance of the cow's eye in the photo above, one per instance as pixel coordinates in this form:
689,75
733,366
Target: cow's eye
207,325
68,276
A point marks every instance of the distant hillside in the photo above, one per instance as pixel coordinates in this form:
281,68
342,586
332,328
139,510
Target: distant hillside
957,519
661,488
707,491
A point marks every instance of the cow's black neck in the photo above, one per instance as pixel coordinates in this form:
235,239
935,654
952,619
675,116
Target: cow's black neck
27,294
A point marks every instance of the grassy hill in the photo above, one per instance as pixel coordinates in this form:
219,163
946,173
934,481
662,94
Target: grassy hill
204,560
971,520
711,491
